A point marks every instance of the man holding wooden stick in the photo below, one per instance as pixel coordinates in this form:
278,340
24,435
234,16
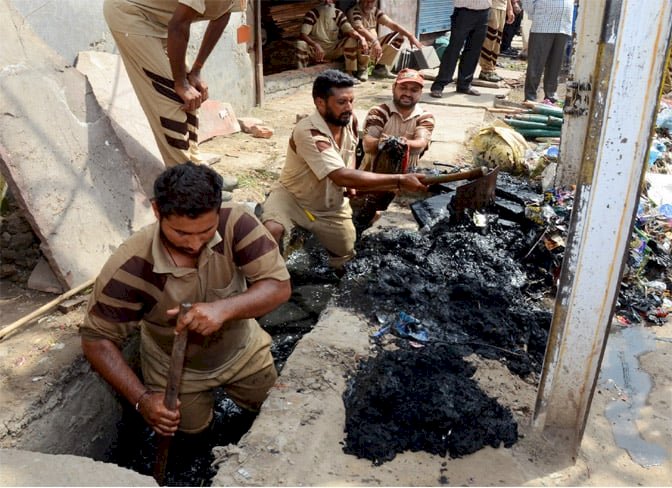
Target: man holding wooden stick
219,258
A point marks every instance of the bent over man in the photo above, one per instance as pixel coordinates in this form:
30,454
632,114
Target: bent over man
152,38
220,259
320,167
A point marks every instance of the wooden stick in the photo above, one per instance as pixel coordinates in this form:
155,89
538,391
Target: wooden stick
172,392
44,308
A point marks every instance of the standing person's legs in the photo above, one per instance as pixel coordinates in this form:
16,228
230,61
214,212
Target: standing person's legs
491,45
472,49
554,61
510,31
458,33
537,53
149,71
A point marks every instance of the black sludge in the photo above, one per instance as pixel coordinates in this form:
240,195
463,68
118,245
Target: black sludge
421,401
473,292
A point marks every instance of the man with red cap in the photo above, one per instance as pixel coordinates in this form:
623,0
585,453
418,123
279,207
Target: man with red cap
395,137
404,118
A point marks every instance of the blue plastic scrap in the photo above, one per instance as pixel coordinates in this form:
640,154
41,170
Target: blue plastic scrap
405,327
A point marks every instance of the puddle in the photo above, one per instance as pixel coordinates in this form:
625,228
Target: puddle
630,387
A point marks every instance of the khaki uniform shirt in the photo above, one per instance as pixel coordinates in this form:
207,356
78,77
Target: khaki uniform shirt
139,283
320,25
312,154
386,119
151,17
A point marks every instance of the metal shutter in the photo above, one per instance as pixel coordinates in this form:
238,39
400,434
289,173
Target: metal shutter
434,16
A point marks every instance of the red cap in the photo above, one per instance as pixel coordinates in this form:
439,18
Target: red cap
408,75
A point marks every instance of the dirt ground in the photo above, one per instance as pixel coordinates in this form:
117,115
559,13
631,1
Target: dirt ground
35,357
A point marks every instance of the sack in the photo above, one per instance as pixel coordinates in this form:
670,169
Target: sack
500,145
425,58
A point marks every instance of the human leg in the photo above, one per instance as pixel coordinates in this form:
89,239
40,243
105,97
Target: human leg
458,34
146,63
491,45
556,55
477,27
303,54
537,52
509,31
337,235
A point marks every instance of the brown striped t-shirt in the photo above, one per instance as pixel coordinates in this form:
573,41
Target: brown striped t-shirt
139,283
386,119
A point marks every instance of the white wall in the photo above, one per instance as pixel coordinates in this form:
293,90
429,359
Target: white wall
70,26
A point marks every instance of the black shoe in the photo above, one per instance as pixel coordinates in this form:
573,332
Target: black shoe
436,93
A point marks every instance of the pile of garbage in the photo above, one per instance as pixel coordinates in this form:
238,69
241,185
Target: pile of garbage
645,296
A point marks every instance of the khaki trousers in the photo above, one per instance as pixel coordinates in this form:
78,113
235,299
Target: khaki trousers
336,232
246,379
346,47
493,41
149,71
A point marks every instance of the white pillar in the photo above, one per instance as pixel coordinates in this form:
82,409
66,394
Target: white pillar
627,78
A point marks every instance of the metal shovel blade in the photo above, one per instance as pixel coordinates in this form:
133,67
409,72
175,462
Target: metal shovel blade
476,194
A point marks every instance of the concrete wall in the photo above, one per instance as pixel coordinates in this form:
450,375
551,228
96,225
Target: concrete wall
403,12
70,26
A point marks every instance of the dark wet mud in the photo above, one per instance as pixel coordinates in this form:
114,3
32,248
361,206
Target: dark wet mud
471,290
390,411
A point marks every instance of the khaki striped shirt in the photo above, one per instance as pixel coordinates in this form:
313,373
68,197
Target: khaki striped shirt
319,24
370,21
139,283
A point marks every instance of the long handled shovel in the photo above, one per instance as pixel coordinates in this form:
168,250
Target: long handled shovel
172,390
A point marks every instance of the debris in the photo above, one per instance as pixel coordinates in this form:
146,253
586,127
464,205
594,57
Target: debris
246,123
262,131
72,303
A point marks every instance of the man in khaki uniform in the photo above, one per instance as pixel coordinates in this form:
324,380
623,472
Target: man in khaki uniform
152,38
326,35
365,17
320,167
220,259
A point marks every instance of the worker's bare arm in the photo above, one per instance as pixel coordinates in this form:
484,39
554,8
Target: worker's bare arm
365,180
106,358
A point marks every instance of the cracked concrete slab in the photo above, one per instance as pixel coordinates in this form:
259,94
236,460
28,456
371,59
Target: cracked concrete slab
61,158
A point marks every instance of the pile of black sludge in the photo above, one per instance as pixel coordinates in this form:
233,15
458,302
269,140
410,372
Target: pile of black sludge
472,291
